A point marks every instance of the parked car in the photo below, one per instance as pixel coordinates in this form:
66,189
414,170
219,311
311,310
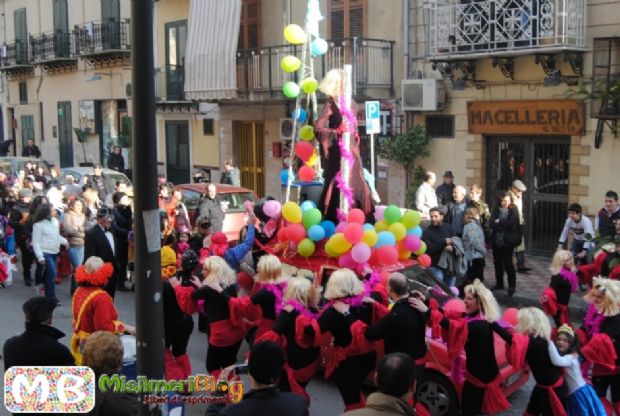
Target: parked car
12,165
81,174
436,391
234,197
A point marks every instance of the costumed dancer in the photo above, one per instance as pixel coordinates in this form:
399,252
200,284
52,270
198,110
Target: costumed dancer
351,357
564,281
217,296
267,299
582,399
530,345
93,308
603,349
297,331
330,126
178,325
474,333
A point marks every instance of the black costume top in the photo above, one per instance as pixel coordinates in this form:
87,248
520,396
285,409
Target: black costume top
611,327
297,357
216,304
562,288
339,325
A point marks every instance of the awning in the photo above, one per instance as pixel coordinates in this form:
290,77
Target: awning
210,56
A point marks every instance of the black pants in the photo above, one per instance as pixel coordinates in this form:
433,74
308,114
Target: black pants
221,357
351,373
122,254
472,399
602,383
177,335
539,401
476,270
27,257
502,260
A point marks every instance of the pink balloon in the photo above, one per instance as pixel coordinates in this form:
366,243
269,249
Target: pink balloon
345,260
360,253
511,316
304,150
387,255
454,309
356,215
379,209
353,232
295,232
306,173
272,208
340,227
361,269
412,242
425,260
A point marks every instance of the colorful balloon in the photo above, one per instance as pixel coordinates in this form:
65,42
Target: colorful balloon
306,173
403,253
415,231
391,214
290,63
353,232
300,114
370,238
282,235
379,210
311,217
381,226
294,34
316,233
339,243
360,252
387,255
511,316
295,232
309,85
307,204
329,227
368,226
421,250
454,309
292,212
425,260
356,215
318,47
304,150
412,242
306,133
272,208
410,218
291,89
306,247
346,261
385,238
284,176
399,230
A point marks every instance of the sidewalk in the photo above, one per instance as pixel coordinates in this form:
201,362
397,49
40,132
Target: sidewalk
530,286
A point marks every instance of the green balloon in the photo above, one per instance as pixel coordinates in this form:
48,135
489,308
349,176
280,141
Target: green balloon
391,214
306,133
290,63
311,217
305,247
309,85
410,218
291,89
421,250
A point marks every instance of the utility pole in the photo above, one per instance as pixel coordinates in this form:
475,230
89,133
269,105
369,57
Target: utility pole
149,309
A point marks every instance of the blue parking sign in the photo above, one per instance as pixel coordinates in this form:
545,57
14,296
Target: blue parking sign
373,117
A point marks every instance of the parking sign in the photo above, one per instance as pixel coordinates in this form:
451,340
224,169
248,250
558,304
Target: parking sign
373,117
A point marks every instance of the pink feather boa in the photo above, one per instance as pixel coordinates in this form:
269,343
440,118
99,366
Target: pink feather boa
571,278
356,301
300,308
592,321
277,290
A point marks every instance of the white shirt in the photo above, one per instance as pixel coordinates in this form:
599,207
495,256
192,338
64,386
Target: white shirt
579,229
572,376
46,238
425,199
110,238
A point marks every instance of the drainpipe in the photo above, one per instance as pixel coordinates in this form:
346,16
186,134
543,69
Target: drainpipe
406,38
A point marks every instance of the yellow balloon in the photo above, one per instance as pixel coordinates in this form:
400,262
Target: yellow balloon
290,63
370,237
399,230
294,34
309,85
339,244
381,225
312,159
329,249
292,212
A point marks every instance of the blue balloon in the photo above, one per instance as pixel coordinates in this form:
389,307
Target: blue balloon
368,227
415,231
385,238
329,227
300,114
284,176
316,233
318,47
307,204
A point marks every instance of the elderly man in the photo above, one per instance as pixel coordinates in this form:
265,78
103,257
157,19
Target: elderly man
456,210
425,197
516,192
210,208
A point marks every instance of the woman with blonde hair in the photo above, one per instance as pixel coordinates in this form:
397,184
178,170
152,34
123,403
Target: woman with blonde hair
531,345
564,281
475,334
267,298
346,317
602,347
214,295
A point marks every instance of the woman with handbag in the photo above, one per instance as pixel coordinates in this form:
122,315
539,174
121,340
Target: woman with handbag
506,236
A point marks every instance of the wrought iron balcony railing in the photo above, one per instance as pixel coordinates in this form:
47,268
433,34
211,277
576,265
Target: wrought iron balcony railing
100,37
505,27
169,83
15,54
52,46
258,70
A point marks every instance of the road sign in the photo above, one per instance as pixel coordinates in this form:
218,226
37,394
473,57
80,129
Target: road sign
373,117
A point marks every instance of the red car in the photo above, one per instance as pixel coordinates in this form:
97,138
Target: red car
232,196
437,391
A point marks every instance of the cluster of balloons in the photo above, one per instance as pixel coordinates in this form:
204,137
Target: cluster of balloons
355,243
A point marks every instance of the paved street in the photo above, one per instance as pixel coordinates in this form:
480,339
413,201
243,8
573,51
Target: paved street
325,398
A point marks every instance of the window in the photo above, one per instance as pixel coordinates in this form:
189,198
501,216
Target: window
176,39
249,28
21,36
347,18
27,123
207,127
23,92
440,126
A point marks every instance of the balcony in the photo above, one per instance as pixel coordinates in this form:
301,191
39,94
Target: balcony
169,89
14,59
53,51
260,77
103,43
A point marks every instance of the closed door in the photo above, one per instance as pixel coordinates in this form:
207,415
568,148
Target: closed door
61,29
65,134
27,123
110,27
542,164
176,39
21,36
249,154
177,151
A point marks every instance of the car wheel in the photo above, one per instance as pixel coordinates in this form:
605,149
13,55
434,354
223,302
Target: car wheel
437,394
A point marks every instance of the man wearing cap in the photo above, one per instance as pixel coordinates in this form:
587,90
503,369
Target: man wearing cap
516,192
38,345
18,220
445,190
99,242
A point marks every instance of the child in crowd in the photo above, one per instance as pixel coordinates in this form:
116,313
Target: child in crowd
564,281
474,245
182,245
581,399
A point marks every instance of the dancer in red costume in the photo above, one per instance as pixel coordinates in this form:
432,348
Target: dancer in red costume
267,299
564,281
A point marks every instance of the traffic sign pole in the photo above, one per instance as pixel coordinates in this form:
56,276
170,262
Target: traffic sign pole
372,154
373,125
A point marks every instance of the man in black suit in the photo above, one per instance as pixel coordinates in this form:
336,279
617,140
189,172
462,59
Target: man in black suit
99,242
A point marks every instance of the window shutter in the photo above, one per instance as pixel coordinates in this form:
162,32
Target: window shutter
21,30
337,24
346,18
249,29
356,21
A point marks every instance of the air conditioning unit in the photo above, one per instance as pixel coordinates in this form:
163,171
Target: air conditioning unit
422,95
286,129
